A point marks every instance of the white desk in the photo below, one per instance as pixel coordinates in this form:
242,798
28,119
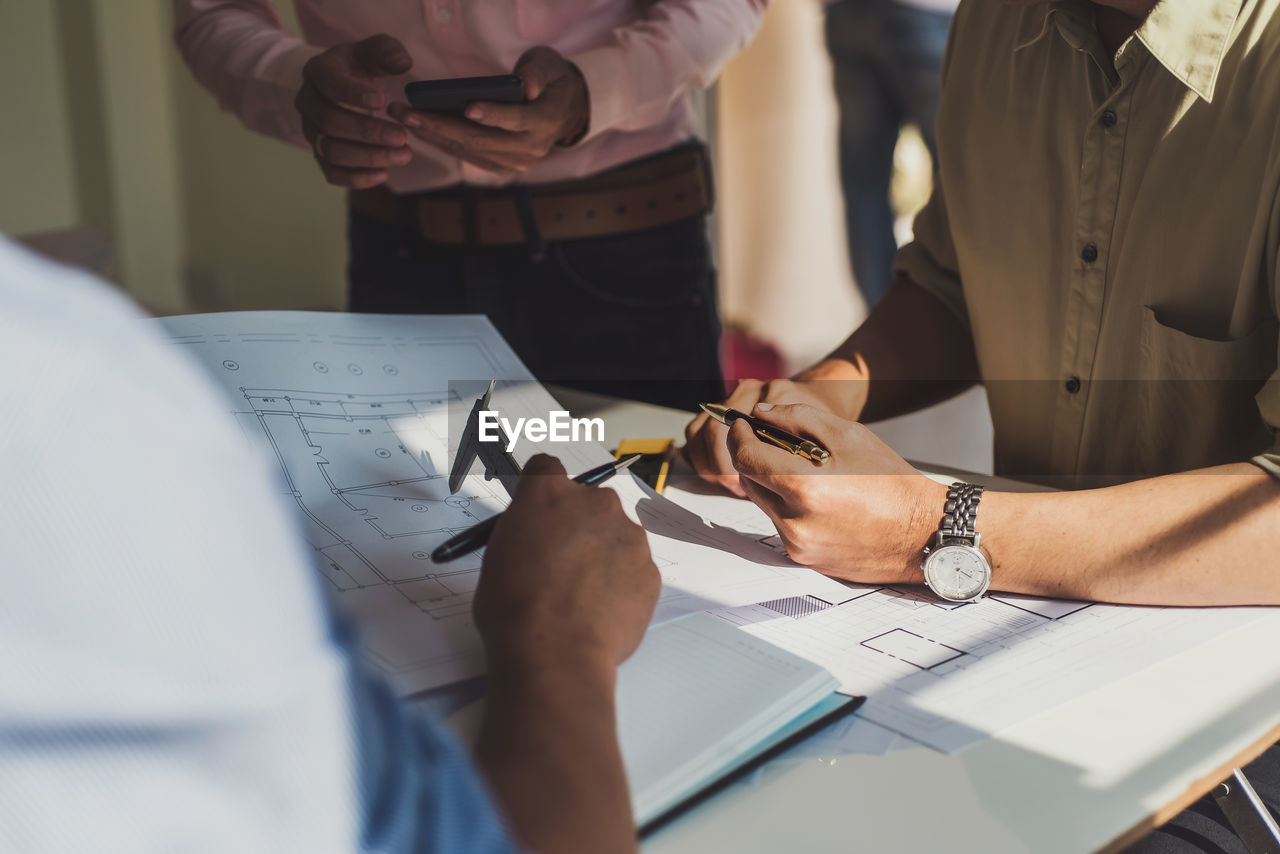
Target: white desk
1086,776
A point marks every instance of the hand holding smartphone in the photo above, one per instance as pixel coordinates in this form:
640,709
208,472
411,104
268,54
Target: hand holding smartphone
451,96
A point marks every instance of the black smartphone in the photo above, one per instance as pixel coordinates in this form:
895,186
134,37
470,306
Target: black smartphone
454,94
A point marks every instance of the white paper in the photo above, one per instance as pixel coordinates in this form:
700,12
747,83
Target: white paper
355,409
695,695
949,675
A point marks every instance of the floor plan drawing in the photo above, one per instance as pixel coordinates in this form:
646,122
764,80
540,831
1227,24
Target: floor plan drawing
356,412
948,674
360,413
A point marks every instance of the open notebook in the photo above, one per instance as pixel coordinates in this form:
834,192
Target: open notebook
701,702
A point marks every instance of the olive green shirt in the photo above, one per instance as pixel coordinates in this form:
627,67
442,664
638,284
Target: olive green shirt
1110,233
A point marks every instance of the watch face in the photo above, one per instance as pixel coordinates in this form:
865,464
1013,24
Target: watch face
958,573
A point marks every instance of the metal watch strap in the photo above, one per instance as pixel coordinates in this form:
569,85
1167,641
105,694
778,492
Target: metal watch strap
961,511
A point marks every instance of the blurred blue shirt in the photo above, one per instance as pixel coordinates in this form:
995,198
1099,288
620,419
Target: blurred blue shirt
171,677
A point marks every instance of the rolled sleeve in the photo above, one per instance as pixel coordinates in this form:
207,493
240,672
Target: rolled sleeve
930,259
238,51
633,79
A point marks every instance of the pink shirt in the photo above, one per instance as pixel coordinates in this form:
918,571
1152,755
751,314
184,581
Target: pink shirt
640,60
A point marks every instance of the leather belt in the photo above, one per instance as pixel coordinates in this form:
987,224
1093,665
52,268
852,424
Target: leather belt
647,193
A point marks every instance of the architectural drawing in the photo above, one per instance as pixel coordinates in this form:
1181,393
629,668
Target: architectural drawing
358,412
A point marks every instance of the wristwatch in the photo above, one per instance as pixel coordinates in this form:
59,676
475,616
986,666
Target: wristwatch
955,568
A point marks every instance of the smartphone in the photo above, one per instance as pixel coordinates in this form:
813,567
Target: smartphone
454,94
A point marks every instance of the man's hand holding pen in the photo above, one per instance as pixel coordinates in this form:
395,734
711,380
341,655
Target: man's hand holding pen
863,516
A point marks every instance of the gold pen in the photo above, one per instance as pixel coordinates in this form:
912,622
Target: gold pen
768,433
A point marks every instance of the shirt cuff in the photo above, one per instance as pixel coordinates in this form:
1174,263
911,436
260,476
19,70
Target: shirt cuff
609,92
286,78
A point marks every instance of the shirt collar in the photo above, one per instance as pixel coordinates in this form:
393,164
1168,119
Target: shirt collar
1188,37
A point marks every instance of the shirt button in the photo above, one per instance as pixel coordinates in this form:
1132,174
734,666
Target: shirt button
1089,253
1072,384
443,14
1108,118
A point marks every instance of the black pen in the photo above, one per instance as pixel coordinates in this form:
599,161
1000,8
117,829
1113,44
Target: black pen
768,433
477,535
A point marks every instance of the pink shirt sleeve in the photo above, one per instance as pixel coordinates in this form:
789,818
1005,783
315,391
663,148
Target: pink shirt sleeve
648,64
238,50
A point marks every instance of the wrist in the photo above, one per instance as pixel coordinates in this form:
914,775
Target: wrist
923,518
579,121
838,382
528,657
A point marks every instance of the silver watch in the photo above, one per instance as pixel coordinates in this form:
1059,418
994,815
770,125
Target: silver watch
955,568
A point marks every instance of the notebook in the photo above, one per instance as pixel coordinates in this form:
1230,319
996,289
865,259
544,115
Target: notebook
701,703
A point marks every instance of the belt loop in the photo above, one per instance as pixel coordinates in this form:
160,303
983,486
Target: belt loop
470,221
533,237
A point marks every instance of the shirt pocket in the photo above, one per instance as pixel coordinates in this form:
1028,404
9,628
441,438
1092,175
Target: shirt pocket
1181,347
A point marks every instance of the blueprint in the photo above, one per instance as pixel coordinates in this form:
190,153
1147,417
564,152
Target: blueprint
356,410
949,675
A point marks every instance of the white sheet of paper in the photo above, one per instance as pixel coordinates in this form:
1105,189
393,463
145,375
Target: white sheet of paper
355,409
950,676
696,694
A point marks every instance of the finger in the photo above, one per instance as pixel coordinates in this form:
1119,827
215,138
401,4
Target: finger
357,155
691,429
707,452
330,74
383,55
511,117
767,500
545,464
352,179
476,138
539,67
340,123
803,420
766,464
476,154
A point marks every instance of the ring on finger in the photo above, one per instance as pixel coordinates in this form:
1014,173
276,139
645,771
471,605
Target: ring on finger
318,146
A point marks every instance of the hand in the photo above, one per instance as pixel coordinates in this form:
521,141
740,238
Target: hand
566,575
821,387
865,516
506,138
341,91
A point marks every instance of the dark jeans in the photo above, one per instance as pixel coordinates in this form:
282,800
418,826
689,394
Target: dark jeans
1202,828
632,315
887,62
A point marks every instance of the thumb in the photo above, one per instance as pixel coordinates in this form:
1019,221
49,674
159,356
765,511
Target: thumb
544,464
539,67
383,55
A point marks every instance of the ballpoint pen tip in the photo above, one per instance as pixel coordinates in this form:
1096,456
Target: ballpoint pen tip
625,462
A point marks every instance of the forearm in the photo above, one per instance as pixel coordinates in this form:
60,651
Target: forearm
549,747
1209,537
911,352
241,55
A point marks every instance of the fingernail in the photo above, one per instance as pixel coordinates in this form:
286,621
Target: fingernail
475,114
764,407
413,121
394,138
